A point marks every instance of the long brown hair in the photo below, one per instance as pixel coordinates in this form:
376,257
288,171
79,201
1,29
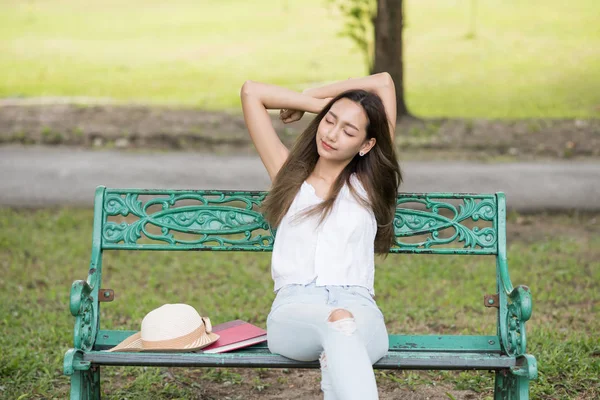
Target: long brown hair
378,171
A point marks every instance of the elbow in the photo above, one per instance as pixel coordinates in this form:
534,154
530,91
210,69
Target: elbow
248,88
385,80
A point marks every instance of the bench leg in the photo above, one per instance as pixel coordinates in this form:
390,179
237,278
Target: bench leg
514,382
85,385
511,387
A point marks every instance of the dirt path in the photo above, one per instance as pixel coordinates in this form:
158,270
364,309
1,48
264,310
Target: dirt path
138,126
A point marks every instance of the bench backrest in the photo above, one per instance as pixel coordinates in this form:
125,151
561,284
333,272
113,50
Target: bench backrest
211,220
435,223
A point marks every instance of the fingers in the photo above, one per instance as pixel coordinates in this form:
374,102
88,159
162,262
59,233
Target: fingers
283,114
288,116
289,119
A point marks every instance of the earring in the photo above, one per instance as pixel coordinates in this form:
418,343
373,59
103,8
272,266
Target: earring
361,153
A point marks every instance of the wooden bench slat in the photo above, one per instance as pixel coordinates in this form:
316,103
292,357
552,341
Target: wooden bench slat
394,360
423,343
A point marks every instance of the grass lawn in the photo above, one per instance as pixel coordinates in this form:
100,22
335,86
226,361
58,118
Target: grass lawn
43,251
529,59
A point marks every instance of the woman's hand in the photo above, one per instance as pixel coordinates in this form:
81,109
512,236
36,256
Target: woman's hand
288,116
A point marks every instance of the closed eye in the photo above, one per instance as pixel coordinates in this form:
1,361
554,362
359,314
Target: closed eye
328,121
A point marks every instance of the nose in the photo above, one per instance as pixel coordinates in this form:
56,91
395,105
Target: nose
332,134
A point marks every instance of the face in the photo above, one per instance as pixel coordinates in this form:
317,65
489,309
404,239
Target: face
342,133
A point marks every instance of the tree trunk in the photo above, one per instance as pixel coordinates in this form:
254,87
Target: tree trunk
388,47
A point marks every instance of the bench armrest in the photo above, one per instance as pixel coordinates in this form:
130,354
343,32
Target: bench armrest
84,309
515,310
517,313
520,298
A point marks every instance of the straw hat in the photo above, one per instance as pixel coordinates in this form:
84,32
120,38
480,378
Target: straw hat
170,328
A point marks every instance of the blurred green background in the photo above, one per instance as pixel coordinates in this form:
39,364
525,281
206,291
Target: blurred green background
538,58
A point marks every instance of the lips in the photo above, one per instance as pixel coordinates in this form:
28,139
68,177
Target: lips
326,146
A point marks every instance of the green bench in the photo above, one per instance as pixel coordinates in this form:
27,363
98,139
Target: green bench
428,223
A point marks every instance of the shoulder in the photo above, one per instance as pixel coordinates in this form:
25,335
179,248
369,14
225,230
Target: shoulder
363,200
358,186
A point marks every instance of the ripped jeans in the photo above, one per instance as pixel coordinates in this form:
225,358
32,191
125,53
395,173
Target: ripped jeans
304,324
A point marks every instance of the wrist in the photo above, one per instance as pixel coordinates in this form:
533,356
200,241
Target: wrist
316,105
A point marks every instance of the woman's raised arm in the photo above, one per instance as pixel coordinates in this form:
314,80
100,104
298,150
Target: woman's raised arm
382,84
257,98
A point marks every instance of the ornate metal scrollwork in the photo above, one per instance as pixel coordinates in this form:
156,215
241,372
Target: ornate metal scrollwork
411,222
82,308
216,223
221,224
519,311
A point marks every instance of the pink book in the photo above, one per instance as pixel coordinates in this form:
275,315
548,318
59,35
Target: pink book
235,335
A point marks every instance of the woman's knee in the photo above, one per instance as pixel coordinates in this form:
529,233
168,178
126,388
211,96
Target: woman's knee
339,313
342,321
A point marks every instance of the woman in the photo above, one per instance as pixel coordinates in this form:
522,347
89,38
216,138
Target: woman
332,201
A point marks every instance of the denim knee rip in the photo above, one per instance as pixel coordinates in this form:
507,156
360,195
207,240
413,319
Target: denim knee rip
345,325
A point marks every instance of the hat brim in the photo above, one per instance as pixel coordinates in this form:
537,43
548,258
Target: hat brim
134,343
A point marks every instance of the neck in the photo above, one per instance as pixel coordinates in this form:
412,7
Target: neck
328,171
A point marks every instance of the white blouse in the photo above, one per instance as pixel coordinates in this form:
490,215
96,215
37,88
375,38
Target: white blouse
338,252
